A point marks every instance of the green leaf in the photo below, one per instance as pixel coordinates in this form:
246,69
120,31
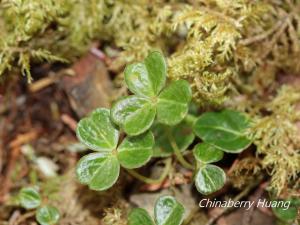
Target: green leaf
182,133
157,69
168,211
207,153
134,114
136,151
148,78
47,215
138,80
97,132
286,214
29,198
98,170
295,202
226,130
139,216
172,104
209,179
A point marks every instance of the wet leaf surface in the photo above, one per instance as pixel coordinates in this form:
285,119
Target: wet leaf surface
225,130
209,179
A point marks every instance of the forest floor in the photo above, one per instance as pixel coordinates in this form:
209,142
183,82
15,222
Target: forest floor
38,142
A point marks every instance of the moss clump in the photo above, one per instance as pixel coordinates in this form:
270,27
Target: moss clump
46,30
277,139
215,41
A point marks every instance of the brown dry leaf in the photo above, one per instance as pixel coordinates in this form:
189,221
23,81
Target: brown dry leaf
90,87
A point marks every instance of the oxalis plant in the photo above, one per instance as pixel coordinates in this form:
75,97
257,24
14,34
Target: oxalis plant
154,122
30,199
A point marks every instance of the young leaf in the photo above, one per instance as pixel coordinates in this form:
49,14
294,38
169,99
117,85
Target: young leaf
136,151
209,179
172,105
47,215
226,130
29,198
134,114
148,78
139,216
97,132
98,170
182,133
168,211
207,153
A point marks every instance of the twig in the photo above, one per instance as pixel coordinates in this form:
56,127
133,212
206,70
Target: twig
69,121
98,53
23,217
23,139
15,147
41,84
276,36
262,36
231,169
235,23
6,183
168,182
248,214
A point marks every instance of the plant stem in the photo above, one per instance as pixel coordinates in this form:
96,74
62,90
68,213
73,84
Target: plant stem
178,154
150,180
24,217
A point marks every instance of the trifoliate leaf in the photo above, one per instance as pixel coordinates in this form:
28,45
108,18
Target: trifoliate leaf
29,198
207,153
226,130
148,78
134,114
209,179
286,214
181,133
136,151
168,211
98,170
139,216
97,131
172,105
47,215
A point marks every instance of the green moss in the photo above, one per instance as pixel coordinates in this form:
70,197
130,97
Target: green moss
277,139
